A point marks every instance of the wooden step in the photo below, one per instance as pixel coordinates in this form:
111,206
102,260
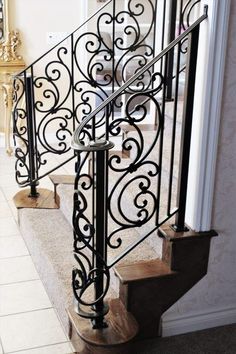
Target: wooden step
45,200
143,127
62,179
115,339
182,249
122,154
149,288
142,271
168,233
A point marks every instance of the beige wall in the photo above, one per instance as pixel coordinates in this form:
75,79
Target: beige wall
215,296
35,18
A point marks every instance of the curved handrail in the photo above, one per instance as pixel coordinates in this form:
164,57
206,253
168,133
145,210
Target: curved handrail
76,144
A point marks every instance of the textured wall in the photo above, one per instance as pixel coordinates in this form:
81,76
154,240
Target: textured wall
217,291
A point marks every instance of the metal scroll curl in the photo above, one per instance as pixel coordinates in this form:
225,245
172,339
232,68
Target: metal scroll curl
188,13
20,132
132,199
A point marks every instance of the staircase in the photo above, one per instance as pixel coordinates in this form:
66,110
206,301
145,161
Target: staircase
124,208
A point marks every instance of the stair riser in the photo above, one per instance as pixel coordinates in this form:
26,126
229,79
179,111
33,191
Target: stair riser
178,254
148,300
187,256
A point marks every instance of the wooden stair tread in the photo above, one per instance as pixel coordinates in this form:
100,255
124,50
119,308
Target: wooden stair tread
121,154
62,179
45,200
142,271
169,234
122,326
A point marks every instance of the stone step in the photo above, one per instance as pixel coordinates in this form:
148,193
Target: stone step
153,242
49,238
65,193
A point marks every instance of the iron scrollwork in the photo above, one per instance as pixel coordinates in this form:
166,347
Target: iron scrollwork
131,194
66,90
134,186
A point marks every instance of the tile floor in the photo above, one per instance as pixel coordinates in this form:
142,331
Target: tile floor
28,322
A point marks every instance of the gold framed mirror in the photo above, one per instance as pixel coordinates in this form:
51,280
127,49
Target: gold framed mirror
9,39
2,20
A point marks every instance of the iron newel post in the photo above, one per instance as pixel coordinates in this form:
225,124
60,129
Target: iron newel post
99,147
29,94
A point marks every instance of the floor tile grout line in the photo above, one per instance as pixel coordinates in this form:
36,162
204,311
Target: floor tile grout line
40,347
59,319
15,235
1,344
13,214
21,256
22,281
29,311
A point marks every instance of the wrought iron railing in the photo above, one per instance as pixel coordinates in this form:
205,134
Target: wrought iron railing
122,196
104,80
55,93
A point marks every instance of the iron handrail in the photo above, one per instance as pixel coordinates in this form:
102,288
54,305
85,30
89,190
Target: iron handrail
76,143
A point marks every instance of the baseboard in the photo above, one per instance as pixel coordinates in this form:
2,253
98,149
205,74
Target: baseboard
197,322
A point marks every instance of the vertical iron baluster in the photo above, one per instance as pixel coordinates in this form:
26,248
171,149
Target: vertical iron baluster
72,81
162,122
31,134
171,37
93,201
113,51
175,110
180,17
163,34
100,236
186,129
154,31
106,177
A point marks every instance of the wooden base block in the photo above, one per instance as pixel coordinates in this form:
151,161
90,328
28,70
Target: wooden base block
115,339
45,200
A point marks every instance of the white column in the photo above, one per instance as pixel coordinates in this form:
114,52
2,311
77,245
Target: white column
207,108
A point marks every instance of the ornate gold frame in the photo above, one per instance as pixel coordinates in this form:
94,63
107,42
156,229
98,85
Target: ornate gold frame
10,43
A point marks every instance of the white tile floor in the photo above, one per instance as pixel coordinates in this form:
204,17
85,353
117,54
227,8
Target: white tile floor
28,322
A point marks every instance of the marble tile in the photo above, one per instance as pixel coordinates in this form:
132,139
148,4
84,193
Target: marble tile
30,330
5,210
10,192
12,247
23,297
8,227
13,209
8,180
2,196
13,270
63,348
9,168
